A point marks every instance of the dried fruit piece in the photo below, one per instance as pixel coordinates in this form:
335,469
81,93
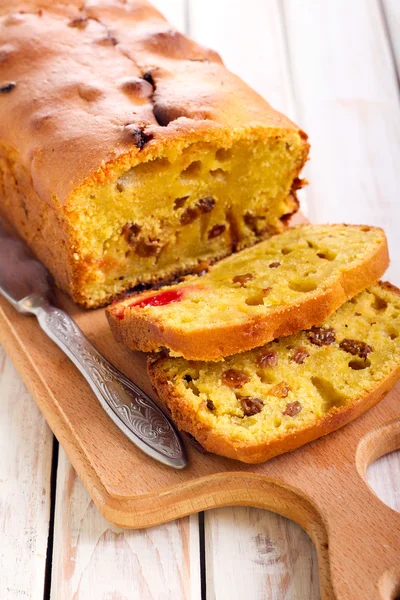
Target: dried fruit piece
251,406
180,202
234,378
322,336
256,224
242,279
130,231
189,215
250,220
216,231
148,76
146,249
206,204
300,355
139,136
108,40
355,347
292,409
160,299
280,390
7,87
210,405
79,22
268,359
274,265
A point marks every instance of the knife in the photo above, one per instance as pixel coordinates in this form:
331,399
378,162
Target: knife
25,283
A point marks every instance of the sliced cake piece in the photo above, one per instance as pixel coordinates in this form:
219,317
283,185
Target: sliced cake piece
289,282
259,404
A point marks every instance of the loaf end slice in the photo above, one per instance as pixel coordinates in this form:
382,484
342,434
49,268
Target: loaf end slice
287,283
141,156
262,403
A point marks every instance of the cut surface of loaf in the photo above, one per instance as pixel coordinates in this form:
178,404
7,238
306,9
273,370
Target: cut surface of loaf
289,282
129,153
261,403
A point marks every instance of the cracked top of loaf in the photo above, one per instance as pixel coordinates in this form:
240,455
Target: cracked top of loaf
93,85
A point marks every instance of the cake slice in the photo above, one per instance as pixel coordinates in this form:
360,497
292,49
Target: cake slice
128,152
261,403
289,282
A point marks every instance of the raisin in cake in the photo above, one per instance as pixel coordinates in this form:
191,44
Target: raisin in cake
261,403
128,152
289,282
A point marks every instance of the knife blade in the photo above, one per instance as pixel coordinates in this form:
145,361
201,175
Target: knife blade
25,283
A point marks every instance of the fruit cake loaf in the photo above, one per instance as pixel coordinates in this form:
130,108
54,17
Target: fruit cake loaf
129,153
289,282
261,403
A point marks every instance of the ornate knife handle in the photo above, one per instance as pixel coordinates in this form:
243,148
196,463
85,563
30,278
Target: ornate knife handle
133,412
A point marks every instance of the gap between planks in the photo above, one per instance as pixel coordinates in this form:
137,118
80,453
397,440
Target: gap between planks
25,466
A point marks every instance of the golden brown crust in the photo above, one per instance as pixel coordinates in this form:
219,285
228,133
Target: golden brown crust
141,332
94,88
213,441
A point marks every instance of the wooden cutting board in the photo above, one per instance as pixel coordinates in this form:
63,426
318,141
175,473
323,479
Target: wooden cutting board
321,486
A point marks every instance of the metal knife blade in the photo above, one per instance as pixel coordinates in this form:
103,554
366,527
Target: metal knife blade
24,282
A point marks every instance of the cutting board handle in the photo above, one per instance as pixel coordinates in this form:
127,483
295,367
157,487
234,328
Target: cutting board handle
363,551
359,542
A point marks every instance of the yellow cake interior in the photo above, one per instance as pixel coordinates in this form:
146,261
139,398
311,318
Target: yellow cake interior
191,203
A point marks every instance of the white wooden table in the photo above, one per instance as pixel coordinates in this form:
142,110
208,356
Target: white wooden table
331,66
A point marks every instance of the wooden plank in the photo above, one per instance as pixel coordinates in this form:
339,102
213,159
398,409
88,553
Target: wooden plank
392,15
25,468
174,11
250,39
348,102
253,553
384,478
257,554
95,560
